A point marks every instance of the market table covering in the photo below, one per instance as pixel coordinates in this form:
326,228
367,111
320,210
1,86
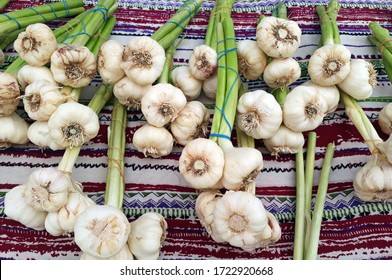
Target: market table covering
351,229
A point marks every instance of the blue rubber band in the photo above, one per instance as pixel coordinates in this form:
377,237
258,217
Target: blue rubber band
219,135
104,11
66,7
12,18
78,34
224,116
38,13
176,23
54,12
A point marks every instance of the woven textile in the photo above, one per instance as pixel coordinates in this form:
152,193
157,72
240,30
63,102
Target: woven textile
351,228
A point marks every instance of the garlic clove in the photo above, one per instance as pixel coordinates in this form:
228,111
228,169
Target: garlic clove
130,93
13,130
183,79
329,93
251,59
29,74
203,62
109,61
280,73
39,134
385,119
9,93
52,224
284,141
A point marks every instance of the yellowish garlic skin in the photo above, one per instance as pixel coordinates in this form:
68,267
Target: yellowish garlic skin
130,93
184,80
385,119
9,93
203,62
284,141
210,86
36,44
29,74
251,59
39,134
329,93
280,73
109,61
13,130
143,60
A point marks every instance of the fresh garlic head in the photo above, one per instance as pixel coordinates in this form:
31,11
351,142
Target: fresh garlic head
13,131
109,61
36,44
73,66
284,141
329,93
29,74
191,123
210,86
143,60
16,208
204,206
41,99
304,109
251,59
130,93
385,119
361,79
329,65
73,124
47,189
162,103
148,233
258,114
277,37
281,73
153,141
101,231
124,254
39,134
201,163
52,225
9,93
373,182
203,62
186,82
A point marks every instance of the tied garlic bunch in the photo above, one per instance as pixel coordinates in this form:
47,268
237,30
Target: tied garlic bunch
9,93
251,59
109,61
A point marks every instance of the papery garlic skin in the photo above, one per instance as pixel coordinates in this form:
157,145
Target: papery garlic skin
201,163
259,114
39,134
143,60
329,93
203,62
162,103
385,119
361,79
109,61
304,109
29,74
16,208
41,99
9,93
186,82
277,37
73,66
130,93
191,123
153,141
373,182
210,86
101,231
1,57
13,131
281,73
148,233
124,254
329,65
284,141
47,189
52,225
73,124
36,44
204,207
251,59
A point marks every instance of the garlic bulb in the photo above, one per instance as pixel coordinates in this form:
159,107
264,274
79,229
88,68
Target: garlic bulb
9,93
259,114
143,60
153,141
278,37
73,124
284,141
280,73
329,93
52,225
385,119
28,74
204,206
16,208
124,254
162,103
191,123
201,163
36,44
39,134
41,99
373,182
361,79
47,189
329,65
13,131
203,62
73,66
109,61
304,109
130,93
251,59
210,86
241,220
148,233
183,79
101,231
